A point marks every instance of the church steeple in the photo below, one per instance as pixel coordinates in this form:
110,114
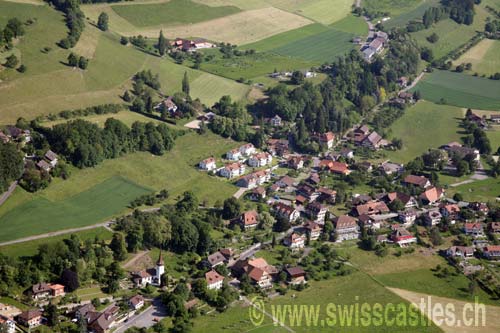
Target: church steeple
160,260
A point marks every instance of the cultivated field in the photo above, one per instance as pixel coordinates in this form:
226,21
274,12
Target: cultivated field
423,126
484,57
92,195
414,13
352,24
460,90
322,11
88,207
173,12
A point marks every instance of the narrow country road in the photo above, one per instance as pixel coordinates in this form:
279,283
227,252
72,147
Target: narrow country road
134,259
105,224
414,83
5,195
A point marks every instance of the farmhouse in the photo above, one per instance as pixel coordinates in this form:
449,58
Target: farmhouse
346,228
232,170
214,280
373,141
295,275
167,105
258,270
260,160
419,181
51,158
208,164
30,318
432,195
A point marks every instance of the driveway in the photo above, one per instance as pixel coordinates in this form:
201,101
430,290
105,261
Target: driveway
145,318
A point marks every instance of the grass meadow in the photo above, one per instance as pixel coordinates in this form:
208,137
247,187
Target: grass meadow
93,195
173,12
423,126
322,11
461,90
481,190
484,57
413,13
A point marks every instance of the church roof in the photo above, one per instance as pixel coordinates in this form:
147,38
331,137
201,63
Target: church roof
160,260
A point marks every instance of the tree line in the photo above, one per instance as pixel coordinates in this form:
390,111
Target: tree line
75,21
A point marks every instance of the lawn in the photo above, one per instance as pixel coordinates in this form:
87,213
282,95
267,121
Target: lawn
424,281
173,12
253,65
482,190
405,16
483,57
31,248
423,126
460,90
352,24
125,116
322,11
91,206
322,47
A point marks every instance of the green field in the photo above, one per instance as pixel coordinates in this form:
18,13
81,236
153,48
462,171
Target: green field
352,24
31,248
92,195
482,190
393,7
173,12
322,11
88,207
423,126
415,13
322,47
484,57
460,90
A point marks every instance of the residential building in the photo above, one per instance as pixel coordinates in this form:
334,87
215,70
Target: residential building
373,141
136,302
233,155
419,181
258,193
294,241
407,200
346,228
327,139
494,227
450,211
216,259
317,212
276,121
402,237
474,229
247,149
407,217
233,170
295,275
371,208
260,160
369,222
285,182
327,195
214,280
313,230
295,162
51,158
463,252
254,179
30,318
102,322
249,219
307,191
8,323
167,105
208,164
432,195
389,168
285,211
432,217
278,147
492,252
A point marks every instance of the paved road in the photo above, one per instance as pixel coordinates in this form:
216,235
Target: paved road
414,83
7,193
69,231
145,318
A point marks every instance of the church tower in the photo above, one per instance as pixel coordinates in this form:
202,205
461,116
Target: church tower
160,268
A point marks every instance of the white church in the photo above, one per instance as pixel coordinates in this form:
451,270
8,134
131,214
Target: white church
150,276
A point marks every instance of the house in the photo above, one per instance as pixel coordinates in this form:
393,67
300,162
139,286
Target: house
474,229
247,149
313,230
307,191
494,227
432,195
463,252
40,291
258,270
278,147
167,105
432,217
382,35
142,278
258,194
369,222
30,318
295,162
402,237
314,179
294,241
492,252
216,259
102,322
260,160
285,182
327,195
136,302
254,179
151,275
371,208
214,280
479,207
407,200
233,155
377,44
339,168
276,121
495,118
346,228
402,82
347,153
295,275
373,141
419,181
285,211
44,165
368,53
464,152
8,323
407,217
450,211
327,139
232,170
249,219
478,120
83,311
360,133
208,164
389,168
56,290
317,212
52,158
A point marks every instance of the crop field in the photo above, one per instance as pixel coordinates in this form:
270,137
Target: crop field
352,24
415,13
96,204
484,57
322,47
107,189
31,248
461,90
322,11
173,12
423,126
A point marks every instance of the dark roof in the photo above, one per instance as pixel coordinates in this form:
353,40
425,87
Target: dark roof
295,271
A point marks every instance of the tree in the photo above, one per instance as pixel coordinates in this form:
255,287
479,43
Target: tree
162,44
70,279
52,314
462,168
297,77
83,63
127,97
102,21
118,247
123,40
231,208
72,60
11,165
396,205
185,84
435,237
12,61
282,224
